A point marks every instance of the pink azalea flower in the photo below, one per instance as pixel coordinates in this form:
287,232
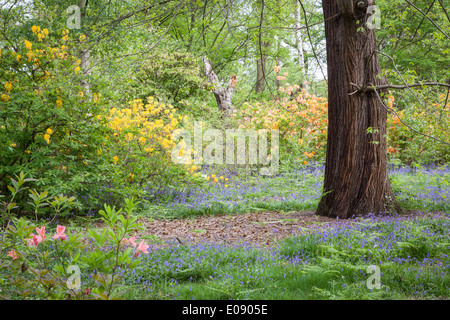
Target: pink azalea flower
132,240
30,240
41,232
60,233
34,240
142,247
13,254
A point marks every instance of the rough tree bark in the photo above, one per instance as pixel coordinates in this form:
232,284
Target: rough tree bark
356,180
222,95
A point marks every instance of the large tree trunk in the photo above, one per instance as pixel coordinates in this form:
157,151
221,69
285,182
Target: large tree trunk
356,180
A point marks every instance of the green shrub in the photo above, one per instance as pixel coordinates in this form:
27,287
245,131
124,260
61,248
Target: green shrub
49,125
411,147
38,266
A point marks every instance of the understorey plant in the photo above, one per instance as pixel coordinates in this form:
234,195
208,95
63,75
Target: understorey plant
39,261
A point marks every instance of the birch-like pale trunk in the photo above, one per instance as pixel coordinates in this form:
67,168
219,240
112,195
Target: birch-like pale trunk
222,95
84,55
299,40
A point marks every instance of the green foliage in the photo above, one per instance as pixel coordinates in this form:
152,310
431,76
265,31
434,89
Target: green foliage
418,136
415,49
32,266
54,127
413,41
48,123
170,76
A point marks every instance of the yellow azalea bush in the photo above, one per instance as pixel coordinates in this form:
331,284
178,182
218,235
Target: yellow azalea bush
301,119
141,144
47,128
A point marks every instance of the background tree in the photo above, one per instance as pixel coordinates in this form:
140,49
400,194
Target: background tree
223,94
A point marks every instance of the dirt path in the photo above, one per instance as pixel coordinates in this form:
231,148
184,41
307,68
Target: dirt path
264,229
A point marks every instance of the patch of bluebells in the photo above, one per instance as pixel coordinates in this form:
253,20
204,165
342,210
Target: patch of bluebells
370,241
193,262
430,169
247,192
240,192
436,179
374,240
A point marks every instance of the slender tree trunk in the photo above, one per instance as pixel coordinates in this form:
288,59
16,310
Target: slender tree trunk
356,179
298,36
84,54
261,71
191,26
85,67
222,95
277,60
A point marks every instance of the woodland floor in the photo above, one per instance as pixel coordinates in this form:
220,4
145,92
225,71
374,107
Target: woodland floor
264,229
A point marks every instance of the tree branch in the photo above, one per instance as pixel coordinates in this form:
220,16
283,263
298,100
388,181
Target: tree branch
392,110
371,88
445,10
310,40
426,16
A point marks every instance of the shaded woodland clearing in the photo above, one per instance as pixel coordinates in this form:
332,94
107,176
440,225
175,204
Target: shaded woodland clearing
88,113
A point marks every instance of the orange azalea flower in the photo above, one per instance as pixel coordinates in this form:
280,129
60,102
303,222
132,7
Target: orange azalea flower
13,254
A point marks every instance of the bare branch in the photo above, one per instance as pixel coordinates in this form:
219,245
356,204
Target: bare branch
310,41
445,10
391,110
423,19
400,75
426,16
371,88
147,50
